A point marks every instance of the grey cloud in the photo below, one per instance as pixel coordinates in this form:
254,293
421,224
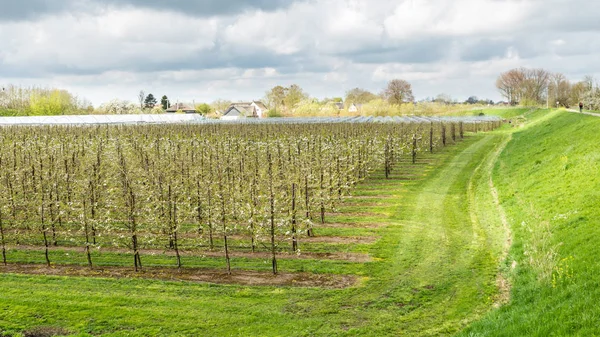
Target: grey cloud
205,60
203,7
421,51
11,10
483,50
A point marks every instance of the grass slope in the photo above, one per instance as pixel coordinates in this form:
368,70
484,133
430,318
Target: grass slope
550,188
434,272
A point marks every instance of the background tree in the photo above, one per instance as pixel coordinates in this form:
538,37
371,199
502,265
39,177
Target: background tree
472,100
294,95
443,98
559,90
510,85
48,103
536,84
141,98
118,107
577,93
150,101
275,97
285,98
524,85
359,96
220,105
204,109
164,102
398,91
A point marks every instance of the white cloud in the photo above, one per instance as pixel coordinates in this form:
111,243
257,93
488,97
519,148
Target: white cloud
103,49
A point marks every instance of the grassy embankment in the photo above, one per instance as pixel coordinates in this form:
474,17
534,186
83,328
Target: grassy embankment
434,270
549,183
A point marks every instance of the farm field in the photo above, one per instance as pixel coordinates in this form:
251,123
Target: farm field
424,252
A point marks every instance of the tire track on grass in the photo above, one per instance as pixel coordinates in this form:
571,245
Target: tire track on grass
485,169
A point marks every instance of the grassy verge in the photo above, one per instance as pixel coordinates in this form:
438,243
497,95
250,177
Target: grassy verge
550,188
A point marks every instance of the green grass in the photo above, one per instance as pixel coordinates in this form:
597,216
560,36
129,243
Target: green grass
433,273
504,112
434,267
550,188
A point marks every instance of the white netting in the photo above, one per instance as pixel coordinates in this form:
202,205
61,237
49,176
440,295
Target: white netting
198,119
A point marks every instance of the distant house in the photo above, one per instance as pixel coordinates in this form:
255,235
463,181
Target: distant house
254,109
355,107
339,105
186,108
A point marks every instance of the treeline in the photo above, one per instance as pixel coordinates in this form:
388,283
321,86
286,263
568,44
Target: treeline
395,99
191,188
534,87
35,101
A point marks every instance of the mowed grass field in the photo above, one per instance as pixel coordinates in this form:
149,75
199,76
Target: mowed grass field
429,272
437,266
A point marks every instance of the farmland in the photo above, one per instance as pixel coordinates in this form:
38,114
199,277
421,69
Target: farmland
188,190
406,237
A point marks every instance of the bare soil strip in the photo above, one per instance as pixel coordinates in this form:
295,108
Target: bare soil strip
358,204
323,239
243,277
353,225
354,214
368,197
342,239
502,281
335,256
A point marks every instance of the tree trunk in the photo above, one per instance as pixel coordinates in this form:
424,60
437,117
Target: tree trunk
414,149
443,134
307,204
272,213
294,238
431,138
2,240
87,236
453,127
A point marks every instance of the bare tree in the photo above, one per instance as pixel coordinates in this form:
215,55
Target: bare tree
398,92
359,96
521,84
559,90
142,98
536,84
510,85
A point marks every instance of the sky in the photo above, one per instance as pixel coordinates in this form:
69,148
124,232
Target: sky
204,50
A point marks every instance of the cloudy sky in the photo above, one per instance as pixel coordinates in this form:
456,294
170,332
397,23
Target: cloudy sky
235,49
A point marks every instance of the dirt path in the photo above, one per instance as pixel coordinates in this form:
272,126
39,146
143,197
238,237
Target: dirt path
243,277
336,256
584,113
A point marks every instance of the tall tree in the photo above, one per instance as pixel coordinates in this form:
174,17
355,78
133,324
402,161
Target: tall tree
521,84
472,100
294,95
559,90
443,98
275,98
285,98
220,105
359,96
398,91
141,98
164,102
204,109
150,101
